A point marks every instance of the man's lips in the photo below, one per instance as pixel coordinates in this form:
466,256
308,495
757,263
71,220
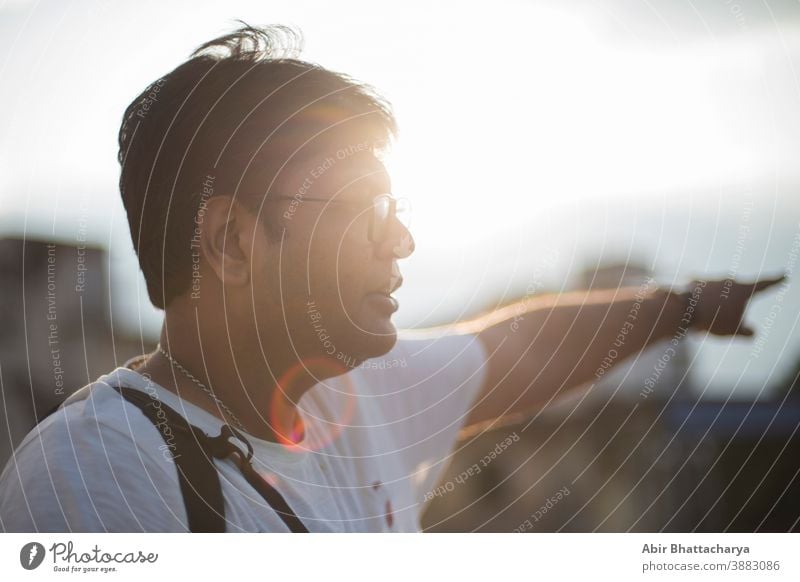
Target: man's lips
383,301
390,287
382,297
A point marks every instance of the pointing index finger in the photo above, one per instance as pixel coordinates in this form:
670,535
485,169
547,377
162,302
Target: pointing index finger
764,283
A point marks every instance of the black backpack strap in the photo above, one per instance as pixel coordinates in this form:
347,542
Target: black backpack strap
274,499
199,478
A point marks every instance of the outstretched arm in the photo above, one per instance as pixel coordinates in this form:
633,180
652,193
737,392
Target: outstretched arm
540,348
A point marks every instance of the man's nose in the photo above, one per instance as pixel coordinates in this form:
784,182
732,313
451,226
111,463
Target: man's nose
399,244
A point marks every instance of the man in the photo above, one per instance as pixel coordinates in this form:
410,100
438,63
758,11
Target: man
262,218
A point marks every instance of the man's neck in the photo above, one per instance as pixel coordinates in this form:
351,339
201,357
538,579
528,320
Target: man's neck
261,391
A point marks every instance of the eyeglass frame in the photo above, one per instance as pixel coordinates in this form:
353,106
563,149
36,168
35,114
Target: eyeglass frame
371,234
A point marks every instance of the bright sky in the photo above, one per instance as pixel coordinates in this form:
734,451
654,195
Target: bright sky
591,129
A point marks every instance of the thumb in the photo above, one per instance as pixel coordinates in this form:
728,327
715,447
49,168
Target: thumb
745,331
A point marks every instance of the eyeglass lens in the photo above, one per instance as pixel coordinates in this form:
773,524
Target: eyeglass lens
384,209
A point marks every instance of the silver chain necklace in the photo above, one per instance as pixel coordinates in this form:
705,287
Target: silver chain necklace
202,386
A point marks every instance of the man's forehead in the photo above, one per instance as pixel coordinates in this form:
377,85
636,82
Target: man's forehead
337,168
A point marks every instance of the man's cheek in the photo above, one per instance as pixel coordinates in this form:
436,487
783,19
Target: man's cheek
347,266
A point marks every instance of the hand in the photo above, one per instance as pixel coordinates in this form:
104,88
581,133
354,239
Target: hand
721,304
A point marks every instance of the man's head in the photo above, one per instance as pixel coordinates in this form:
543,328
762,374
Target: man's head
248,177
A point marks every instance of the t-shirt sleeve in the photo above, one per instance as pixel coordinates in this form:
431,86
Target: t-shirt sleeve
73,474
427,392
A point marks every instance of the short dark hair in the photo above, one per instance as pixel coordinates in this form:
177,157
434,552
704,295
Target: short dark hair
228,121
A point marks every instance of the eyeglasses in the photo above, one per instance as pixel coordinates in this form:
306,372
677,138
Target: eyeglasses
385,207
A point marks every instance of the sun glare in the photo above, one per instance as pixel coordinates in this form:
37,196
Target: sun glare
561,114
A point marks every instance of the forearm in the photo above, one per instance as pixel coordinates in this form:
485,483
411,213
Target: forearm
586,335
544,347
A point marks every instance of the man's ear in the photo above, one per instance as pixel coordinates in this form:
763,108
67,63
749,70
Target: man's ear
227,230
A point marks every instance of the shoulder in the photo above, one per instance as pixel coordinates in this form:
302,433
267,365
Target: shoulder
96,419
84,462
430,356
424,371
441,345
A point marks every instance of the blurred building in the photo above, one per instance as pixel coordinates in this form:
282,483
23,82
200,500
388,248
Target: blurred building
57,332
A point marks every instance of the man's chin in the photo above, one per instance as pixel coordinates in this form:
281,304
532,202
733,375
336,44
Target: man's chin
382,345
375,342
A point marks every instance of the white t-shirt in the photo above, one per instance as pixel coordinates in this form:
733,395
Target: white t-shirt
377,440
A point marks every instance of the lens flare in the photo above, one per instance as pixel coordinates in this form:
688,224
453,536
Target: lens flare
297,437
